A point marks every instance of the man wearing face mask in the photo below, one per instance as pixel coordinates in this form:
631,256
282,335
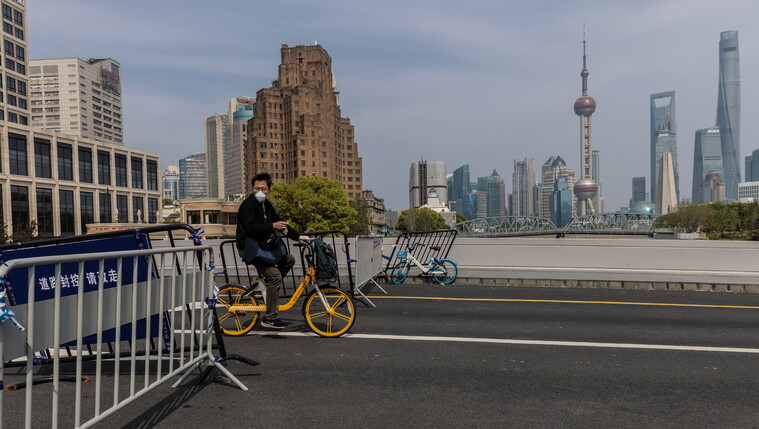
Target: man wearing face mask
257,219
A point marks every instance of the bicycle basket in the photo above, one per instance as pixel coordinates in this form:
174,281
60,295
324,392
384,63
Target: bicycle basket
401,254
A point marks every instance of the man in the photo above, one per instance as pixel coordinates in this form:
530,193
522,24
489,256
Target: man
257,219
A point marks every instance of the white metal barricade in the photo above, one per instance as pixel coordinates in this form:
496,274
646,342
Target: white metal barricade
122,302
369,265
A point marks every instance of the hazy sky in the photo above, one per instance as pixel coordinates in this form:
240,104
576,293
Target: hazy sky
481,82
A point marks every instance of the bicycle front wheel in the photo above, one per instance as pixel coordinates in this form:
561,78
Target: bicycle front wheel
445,272
399,272
233,322
333,319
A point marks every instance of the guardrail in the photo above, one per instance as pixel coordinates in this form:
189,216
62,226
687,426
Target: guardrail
236,271
99,297
422,242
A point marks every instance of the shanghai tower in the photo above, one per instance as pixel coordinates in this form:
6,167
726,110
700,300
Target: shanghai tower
729,111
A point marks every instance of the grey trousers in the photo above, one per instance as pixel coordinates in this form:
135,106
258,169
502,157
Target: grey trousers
273,274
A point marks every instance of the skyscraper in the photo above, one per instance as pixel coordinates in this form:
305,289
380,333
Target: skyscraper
170,182
95,113
729,111
666,197
298,128
217,133
460,187
753,168
707,157
558,170
748,174
192,176
586,188
561,203
495,193
522,183
663,136
240,112
638,190
425,176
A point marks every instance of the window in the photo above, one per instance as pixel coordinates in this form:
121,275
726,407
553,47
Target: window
9,48
20,68
105,208
12,100
66,207
17,154
19,208
19,33
138,211
87,208
137,173
85,165
152,175
42,165
10,83
44,212
122,208
7,12
10,64
21,88
121,170
18,17
152,210
104,168
65,162
20,54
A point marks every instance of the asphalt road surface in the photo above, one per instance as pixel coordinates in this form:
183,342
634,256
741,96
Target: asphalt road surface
476,356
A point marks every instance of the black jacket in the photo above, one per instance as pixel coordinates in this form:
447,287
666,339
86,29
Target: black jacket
256,220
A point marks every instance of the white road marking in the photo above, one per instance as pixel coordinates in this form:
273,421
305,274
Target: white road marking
524,342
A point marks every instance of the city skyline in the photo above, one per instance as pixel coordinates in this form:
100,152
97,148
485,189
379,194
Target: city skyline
460,65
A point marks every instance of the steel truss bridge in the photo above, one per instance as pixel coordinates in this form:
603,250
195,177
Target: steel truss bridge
515,226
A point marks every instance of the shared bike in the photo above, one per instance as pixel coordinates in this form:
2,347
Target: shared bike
327,310
443,271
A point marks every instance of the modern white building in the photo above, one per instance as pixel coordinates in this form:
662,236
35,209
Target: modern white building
77,97
170,181
748,192
425,176
57,181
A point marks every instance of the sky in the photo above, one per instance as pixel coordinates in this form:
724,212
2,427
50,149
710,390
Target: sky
481,82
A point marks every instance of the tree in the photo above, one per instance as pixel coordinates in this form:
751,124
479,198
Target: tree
460,217
313,203
26,232
361,222
422,219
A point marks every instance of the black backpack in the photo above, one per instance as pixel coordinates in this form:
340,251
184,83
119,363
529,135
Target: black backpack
325,260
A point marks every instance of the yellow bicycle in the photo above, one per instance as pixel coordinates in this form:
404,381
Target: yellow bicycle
328,311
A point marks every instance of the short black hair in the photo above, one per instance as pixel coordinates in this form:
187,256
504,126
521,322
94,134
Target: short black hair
261,176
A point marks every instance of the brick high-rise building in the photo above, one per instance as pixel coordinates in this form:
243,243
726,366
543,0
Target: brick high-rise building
297,128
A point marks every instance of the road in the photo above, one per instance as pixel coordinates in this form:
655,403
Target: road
460,356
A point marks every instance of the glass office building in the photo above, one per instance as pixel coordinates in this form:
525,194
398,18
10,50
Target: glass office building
729,111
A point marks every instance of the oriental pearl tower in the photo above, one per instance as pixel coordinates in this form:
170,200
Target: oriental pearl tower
586,188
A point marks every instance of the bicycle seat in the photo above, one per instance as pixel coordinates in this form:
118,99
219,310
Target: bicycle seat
435,248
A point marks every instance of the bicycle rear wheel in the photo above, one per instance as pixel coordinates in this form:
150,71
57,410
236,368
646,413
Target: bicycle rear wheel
399,272
238,322
332,320
445,272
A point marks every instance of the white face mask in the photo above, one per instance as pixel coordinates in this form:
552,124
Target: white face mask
260,196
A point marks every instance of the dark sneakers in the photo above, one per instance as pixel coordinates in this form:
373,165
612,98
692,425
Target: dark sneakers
273,324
